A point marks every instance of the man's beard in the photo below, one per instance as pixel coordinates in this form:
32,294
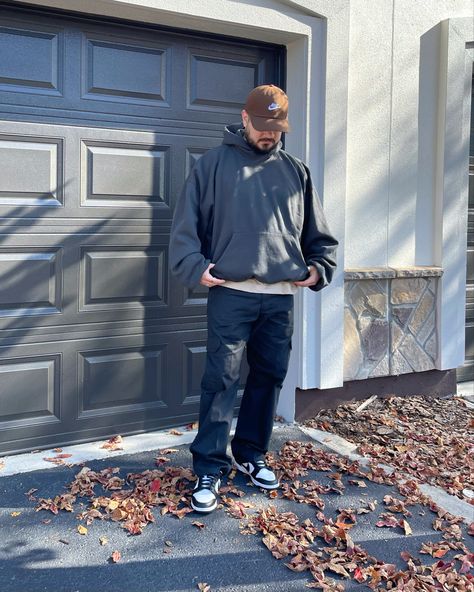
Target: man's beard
256,147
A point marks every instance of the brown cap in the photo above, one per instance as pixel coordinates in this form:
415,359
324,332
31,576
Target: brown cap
267,106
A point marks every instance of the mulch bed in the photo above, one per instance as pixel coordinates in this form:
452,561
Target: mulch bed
429,438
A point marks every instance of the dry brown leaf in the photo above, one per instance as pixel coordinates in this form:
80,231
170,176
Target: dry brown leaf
406,527
203,587
199,525
103,540
54,459
161,460
386,519
338,569
357,482
47,504
116,556
175,432
81,529
15,514
114,443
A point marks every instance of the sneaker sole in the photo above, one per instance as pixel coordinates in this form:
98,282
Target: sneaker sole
204,510
254,481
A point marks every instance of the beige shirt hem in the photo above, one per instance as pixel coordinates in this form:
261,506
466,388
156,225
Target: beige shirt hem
253,285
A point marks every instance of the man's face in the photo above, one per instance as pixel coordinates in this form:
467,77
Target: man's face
262,141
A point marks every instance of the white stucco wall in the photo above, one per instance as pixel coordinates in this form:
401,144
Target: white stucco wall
392,127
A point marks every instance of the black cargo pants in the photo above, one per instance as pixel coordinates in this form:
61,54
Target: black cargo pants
263,323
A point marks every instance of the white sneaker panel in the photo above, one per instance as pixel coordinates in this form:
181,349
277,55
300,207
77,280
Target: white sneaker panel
265,474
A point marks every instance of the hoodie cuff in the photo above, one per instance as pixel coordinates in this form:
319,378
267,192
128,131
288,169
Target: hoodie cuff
197,273
322,282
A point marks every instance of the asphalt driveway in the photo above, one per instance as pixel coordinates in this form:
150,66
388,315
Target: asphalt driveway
40,551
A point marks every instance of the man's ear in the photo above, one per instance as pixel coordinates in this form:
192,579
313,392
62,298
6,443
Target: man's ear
245,117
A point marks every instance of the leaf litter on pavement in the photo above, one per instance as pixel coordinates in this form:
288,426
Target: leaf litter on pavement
324,546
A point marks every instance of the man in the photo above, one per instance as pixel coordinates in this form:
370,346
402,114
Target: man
250,227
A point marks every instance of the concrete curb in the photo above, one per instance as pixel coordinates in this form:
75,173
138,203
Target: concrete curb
80,453
24,463
465,390
341,446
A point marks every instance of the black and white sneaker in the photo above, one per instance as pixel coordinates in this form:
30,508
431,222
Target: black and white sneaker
259,473
204,497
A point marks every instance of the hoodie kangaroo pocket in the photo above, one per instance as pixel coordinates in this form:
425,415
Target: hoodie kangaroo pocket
267,256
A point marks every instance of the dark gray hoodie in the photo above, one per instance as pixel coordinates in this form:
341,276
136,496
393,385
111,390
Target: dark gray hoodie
253,215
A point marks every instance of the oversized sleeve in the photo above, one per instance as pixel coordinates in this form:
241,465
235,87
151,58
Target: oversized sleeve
317,243
187,262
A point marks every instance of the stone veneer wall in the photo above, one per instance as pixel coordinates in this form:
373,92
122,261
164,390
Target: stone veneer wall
390,321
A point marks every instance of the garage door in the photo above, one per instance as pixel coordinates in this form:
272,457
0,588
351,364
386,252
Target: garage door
99,125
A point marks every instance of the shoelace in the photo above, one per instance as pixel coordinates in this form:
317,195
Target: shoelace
209,481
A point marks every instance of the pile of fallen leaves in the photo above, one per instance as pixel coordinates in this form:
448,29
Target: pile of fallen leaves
287,538
430,438
323,547
131,498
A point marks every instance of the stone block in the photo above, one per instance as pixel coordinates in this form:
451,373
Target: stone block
407,290
398,364
377,305
353,357
433,285
431,346
427,328
397,335
381,369
419,271
418,359
348,287
374,337
402,314
368,273
369,298
422,313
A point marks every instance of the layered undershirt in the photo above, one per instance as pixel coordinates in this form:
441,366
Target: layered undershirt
253,285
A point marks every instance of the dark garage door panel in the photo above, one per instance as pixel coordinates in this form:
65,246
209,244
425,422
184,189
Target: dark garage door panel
80,389
105,71
99,125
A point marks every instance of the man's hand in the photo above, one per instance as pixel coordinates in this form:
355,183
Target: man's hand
312,280
208,280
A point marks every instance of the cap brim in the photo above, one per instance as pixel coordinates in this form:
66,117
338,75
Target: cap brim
269,124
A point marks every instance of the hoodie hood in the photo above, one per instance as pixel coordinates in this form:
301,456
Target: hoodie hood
234,136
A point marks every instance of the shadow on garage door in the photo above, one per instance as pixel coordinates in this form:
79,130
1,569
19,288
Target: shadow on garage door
100,122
